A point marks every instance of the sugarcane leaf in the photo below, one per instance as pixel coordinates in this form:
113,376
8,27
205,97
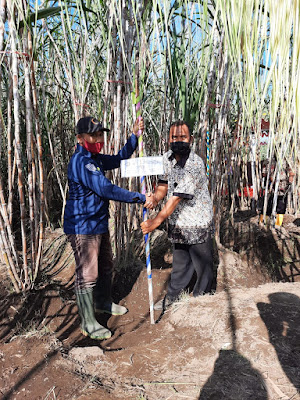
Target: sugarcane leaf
51,12
41,14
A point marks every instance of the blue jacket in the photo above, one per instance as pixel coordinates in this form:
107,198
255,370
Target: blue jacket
87,208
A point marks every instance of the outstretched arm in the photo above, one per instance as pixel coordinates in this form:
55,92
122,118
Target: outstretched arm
113,161
168,209
152,199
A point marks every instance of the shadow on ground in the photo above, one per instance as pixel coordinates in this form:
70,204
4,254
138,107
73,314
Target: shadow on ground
283,329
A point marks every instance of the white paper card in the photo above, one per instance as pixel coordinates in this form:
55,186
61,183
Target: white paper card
142,166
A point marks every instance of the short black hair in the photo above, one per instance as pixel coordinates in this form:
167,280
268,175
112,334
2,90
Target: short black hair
181,122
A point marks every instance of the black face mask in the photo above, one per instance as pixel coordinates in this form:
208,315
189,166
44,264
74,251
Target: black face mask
180,148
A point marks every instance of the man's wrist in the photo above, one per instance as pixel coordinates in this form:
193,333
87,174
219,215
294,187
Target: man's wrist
161,216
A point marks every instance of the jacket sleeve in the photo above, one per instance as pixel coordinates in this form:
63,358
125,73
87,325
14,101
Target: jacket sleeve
112,162
93,178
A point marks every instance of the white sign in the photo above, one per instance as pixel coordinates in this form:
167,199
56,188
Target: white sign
142,166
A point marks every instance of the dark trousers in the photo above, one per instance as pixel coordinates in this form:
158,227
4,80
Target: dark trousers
187,259
281,204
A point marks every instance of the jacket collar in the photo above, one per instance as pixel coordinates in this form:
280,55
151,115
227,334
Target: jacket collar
82,150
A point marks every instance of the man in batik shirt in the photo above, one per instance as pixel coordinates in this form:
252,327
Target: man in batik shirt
190,215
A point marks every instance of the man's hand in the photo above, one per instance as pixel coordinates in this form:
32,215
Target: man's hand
170,206
138,127
148,226
150,201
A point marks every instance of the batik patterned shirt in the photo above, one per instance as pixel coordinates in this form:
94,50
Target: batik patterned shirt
192,220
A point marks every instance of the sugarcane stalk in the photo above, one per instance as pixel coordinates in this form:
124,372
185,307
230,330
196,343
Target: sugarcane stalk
51,146
13,40
75,107
30,158
40,214
2,21
6,252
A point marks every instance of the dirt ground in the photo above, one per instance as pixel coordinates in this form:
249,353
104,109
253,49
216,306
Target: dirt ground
241,343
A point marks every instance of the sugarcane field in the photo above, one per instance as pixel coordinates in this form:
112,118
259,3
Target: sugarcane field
150,200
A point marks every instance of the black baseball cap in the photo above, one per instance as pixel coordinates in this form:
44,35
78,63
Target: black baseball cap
89,125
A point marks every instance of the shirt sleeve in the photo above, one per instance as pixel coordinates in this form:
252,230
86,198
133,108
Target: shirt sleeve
185,187
92,177
111,162
162,181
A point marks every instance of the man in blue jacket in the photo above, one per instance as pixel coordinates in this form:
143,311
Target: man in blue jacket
86,220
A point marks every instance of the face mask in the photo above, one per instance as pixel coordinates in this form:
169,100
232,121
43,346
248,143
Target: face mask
93,148
180,148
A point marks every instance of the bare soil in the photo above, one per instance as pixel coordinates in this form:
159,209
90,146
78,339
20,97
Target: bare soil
241,343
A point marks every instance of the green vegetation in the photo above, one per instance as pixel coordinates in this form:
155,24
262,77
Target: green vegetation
221,65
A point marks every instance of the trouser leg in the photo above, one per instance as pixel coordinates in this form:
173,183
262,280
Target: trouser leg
102,292
86,253
86,250
202,257
105,270
182,270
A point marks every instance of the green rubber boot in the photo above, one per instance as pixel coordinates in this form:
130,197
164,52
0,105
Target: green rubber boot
109,307
89,325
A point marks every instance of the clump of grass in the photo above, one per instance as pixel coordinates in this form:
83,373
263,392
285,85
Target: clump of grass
30,329
183,299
